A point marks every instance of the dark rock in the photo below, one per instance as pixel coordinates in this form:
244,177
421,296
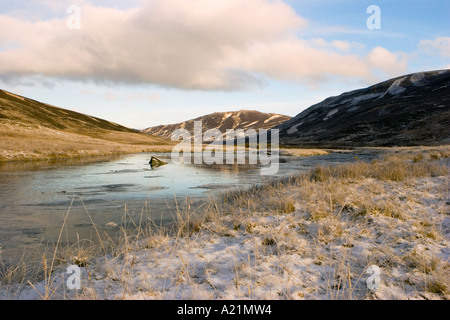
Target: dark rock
155,162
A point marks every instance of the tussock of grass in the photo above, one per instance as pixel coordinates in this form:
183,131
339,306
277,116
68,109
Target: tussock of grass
13,273
272,195
391,169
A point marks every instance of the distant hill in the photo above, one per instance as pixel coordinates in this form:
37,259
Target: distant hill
32,130
244,119
409,110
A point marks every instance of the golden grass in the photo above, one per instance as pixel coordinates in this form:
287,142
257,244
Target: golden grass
331,208
392,168
302,152
20,142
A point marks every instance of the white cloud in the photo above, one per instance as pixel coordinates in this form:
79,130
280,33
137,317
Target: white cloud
293,59
393,64
340,45
198,44
438,46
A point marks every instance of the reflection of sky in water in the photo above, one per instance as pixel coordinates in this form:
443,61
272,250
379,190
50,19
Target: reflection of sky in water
35,196
130,177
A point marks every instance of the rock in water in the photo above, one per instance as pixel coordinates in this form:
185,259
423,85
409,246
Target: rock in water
155,162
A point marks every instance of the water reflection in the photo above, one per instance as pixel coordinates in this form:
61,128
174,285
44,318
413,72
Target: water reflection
17,166
34,197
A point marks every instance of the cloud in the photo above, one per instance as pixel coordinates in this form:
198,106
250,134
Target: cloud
388,62
330,30
295,60
198,44
339,45
439,46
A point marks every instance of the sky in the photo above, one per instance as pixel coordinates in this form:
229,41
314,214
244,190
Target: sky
142,63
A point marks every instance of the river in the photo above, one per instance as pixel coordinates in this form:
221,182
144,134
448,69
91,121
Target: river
36,197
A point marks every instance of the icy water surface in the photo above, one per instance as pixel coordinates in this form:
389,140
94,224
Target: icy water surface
35,197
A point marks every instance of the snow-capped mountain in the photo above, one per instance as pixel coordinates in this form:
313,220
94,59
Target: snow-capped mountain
244,119
409,110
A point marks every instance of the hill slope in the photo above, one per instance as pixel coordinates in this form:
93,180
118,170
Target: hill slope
409,110
244,119
32,130
24,110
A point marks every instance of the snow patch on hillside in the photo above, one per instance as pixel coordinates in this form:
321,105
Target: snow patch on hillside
294,129
395,88
417,79
354,101
330,114
271,118
250,124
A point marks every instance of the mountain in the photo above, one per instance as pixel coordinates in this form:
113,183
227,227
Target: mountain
32,130
409,110
243,119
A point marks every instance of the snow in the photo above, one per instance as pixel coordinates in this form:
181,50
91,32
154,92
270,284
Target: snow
271,118
250,124
395,87
417,79
233,259
330,114
294,129
354,101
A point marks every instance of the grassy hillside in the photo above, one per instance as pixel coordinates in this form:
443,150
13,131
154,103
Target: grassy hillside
31,130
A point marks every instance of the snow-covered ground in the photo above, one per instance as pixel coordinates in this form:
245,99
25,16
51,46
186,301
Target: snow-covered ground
320,249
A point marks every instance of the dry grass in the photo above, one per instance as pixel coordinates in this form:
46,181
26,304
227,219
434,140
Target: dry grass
331,209
20,142
392,168
337,220
301,152
13,273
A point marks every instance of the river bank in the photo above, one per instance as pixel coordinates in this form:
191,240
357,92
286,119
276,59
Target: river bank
28,142
311,236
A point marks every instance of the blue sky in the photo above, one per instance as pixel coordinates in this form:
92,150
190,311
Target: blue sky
143,63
